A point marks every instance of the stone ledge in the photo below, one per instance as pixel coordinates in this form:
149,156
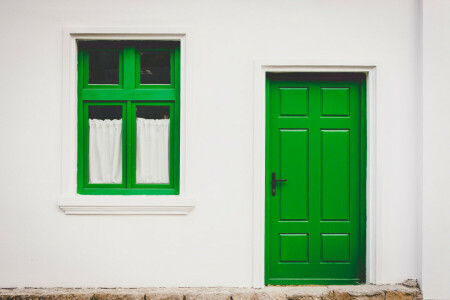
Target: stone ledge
354,292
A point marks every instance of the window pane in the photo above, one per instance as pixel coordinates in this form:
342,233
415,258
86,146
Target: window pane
105,144
155,67
152,144
104,67
104,112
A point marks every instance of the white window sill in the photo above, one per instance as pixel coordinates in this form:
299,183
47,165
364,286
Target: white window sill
125,205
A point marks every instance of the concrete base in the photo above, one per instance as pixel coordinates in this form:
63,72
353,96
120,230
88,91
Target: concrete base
405,291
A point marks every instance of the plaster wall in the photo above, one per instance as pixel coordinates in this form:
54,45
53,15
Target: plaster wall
436,145
212,246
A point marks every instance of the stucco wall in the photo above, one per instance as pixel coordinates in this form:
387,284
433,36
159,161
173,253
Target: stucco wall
436,144
212,246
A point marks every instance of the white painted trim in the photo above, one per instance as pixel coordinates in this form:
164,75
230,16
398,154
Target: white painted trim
126,205
72,203
125,210
373,168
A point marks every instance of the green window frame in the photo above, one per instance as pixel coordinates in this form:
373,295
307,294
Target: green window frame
129,93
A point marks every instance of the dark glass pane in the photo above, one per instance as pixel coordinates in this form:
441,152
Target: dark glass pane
105,112
152,112
104,67
155,67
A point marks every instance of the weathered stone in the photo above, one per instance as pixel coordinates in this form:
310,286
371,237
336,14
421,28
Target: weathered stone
62,296
369,297
243,295
306,292
122,295
166,295
20,294
354,292
365,291
333,295
397,295
261,295
418,296
303,297
402,292
399,288
272,292
19,297
208,295
271,295
412,283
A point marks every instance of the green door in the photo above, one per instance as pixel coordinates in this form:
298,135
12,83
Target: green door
316,142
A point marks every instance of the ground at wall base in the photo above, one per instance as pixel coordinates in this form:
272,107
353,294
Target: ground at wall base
407,290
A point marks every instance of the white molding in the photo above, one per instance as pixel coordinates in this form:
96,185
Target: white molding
72,203
261,67
125,210
125,205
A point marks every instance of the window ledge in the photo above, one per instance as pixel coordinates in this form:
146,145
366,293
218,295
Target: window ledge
125,205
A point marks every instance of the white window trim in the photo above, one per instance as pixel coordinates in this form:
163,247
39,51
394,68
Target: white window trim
373,226
72,203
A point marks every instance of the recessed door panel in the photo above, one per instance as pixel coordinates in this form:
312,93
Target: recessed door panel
294,101
294,164
335,174
335,101
293,247
335,248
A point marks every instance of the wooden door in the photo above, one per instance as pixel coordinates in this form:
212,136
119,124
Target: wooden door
316,142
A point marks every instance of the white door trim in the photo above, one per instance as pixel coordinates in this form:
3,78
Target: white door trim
261,67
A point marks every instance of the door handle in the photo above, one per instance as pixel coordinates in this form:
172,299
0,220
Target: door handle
274,183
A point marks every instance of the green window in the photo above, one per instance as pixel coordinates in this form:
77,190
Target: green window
128,117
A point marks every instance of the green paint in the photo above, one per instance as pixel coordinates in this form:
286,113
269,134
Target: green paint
335,248
294,102
316,139
294,247
294,154
335,101
128,94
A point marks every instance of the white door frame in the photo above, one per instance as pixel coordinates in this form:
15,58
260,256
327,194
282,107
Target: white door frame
261,67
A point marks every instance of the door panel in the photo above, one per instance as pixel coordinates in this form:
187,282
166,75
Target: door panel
335,179
294,101
294,165
315,222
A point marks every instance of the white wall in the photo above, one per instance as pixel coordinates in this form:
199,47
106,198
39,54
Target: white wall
436,147
40,246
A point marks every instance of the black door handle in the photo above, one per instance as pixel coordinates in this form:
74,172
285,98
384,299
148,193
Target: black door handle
274,183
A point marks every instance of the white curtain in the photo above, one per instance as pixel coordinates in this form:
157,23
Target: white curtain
105,151
152,150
